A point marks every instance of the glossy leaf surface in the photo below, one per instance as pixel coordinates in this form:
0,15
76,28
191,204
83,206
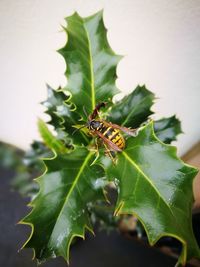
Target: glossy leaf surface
49,139
156,186
55,100
60,210
91,63
167,129
64,116
133,109
152,182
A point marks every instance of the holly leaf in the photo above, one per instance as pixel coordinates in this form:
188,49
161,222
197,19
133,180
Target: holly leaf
64,116
49,139
60,210
133,109
156,186
54,102
153,183
167,129
91,63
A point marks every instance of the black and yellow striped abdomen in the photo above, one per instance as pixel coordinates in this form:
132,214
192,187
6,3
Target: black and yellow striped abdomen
112,134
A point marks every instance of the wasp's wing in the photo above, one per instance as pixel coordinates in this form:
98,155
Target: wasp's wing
123,129
109,143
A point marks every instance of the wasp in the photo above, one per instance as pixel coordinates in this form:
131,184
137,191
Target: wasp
109,133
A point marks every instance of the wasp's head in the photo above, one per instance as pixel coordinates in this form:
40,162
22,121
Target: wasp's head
93,124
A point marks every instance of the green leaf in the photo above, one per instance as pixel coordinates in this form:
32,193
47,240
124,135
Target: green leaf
156,186
54,102
167,129
91,63
153,183
63,116
133,109
60,210
49,139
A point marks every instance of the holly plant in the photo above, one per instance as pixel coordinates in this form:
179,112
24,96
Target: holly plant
152,182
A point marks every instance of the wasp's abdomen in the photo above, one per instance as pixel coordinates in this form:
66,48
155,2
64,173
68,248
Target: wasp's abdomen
113,135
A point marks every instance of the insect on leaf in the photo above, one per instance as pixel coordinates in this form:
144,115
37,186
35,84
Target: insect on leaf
153,183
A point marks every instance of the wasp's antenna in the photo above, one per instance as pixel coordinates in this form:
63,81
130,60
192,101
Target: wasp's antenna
77,129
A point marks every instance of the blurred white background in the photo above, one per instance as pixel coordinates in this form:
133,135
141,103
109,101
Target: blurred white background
159,38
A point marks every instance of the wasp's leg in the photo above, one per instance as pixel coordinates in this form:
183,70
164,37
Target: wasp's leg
97,141
110,153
